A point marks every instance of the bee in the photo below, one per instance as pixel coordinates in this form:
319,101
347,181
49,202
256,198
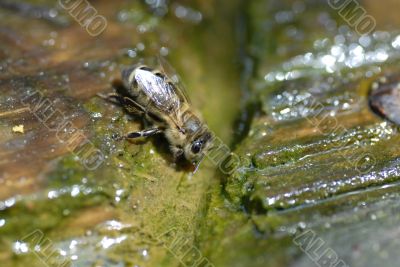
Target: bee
154,96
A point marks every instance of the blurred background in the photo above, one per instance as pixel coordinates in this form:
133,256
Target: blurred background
305,93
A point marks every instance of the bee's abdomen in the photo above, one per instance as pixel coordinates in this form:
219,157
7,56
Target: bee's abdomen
127,75
132,86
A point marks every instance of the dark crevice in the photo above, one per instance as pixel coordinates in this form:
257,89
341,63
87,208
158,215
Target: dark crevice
253,206
243,121
249,107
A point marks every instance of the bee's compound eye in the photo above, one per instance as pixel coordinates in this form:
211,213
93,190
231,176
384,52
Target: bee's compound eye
196,147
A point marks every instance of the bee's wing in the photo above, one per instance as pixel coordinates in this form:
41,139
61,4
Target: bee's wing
166,68
163,94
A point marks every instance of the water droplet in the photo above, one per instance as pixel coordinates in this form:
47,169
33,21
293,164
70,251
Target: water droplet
20,247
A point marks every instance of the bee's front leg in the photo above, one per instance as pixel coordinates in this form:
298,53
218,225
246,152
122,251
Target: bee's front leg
177,152
127,103
111,97
144,133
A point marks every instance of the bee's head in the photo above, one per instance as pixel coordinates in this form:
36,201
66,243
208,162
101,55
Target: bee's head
195,150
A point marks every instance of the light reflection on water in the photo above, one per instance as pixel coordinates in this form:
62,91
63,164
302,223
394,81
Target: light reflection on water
341,53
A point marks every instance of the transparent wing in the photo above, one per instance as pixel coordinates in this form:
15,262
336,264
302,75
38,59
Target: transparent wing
160,92
163,94
167,68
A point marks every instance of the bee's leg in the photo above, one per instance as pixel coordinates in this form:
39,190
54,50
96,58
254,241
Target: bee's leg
132,106
177,152
111,97
127,102
144,133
